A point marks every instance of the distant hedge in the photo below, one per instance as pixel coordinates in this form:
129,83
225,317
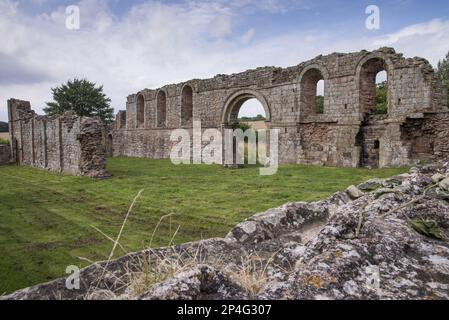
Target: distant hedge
4,127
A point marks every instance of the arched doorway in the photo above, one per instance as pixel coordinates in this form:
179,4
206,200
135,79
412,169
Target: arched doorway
235,102
252,111
246,109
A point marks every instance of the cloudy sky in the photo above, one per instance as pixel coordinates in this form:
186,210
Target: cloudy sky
128,45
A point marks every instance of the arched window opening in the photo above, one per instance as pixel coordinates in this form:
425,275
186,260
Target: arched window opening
187,106
319,98
140,111
374,87
110,146
249,114
121,119
380,101
312,92
161,109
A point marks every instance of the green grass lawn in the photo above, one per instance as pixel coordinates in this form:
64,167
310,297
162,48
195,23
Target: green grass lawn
46,218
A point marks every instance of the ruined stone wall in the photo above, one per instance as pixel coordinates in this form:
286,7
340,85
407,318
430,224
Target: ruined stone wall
286,95
5,154
67,143
427,138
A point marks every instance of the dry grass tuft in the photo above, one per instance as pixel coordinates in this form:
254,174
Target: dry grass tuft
156,266
251,274
142,272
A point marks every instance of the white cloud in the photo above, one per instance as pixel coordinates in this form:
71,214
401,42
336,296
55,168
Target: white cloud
429,40
8,7
158,43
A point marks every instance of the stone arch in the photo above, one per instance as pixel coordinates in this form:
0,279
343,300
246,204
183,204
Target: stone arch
161,101
187,106
308,80
140,110
235,101
367,69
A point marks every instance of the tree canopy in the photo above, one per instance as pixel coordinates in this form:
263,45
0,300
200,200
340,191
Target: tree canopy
82,97
443,73
259,117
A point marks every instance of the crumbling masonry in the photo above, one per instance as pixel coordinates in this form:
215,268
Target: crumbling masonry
67,143
346,134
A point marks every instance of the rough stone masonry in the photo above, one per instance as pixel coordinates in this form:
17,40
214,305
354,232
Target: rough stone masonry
67,143
347,133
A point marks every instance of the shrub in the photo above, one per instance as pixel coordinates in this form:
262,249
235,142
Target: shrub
319,105
381,106
241,125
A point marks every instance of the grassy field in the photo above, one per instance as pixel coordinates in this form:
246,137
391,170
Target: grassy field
4,137
46,219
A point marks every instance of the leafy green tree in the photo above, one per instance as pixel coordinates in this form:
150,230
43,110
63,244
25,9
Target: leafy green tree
443,73
259,117
82,97
241,125
319,104
381,104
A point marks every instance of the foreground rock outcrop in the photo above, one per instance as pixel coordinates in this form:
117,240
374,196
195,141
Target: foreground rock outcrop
382,239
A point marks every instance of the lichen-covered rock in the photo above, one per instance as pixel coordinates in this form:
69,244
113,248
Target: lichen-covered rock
444,184
437,177
354,192
200,283
338,248
371,185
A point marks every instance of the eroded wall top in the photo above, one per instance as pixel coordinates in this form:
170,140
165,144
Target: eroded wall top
413,88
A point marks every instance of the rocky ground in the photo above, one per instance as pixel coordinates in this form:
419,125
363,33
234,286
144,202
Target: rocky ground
382,239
